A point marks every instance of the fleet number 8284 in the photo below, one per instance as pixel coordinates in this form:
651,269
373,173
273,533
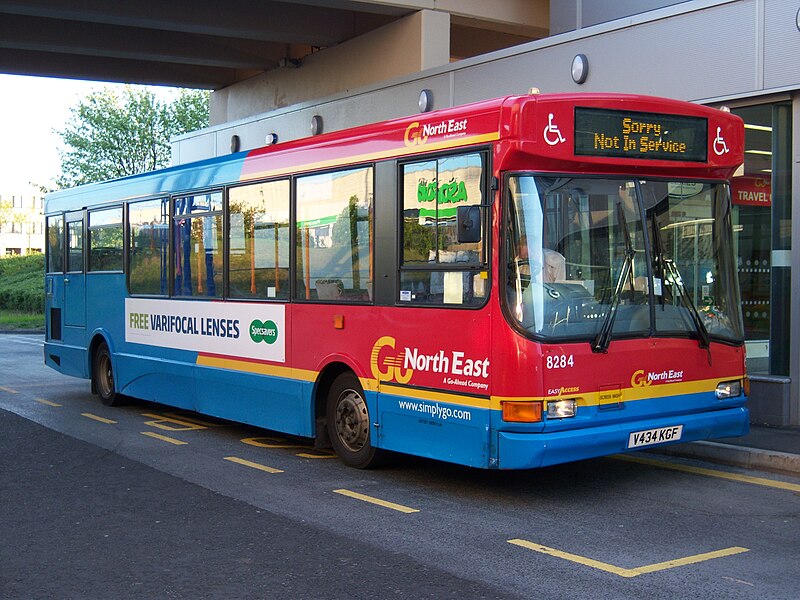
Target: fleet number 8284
560,361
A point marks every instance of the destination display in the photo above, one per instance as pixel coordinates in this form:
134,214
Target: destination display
631,134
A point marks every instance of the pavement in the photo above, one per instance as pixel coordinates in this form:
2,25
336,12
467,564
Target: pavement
764,449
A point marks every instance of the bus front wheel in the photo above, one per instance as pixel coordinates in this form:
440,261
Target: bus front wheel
349,423
103,377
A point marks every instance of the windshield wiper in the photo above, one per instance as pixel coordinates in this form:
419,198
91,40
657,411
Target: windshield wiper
675,276
668,265
603,338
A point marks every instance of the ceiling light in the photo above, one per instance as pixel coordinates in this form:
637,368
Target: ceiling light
425,101
580,68
316,125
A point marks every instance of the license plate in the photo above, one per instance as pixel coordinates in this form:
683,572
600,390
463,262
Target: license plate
650,437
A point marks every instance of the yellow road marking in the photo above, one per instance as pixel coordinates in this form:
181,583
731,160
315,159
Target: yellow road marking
307,455
691,560
48,402
379,502
97,418
163,422
271,442
622,572
9,390
763,481
254,465
277,443
163,438
193,419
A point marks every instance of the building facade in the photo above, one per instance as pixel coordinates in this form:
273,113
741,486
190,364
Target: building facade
737,53
21,224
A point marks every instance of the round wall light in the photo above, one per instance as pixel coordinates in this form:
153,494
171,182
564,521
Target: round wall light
425,100
797,19
236,143
270,139
580,68
316,125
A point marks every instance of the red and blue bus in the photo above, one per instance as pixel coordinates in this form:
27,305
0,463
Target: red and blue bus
509,284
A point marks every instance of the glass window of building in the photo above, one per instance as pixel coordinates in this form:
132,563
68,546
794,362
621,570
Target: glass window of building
761,195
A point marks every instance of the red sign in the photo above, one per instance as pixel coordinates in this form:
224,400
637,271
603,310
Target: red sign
752,191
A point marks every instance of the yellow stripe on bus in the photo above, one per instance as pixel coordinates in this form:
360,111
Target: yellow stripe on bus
628,394
247,366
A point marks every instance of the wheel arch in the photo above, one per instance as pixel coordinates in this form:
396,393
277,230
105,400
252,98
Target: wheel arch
327,375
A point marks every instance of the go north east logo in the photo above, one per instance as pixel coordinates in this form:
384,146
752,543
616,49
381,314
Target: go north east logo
263,332
417,134
389,369
641,378
452,365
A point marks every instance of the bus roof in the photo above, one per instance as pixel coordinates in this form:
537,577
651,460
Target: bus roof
450,128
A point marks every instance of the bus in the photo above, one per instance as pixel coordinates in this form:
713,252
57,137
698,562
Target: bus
509,284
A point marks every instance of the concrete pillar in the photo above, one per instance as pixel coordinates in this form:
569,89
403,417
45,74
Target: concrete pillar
417,42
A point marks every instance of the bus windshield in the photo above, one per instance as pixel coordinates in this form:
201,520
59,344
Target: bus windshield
597,259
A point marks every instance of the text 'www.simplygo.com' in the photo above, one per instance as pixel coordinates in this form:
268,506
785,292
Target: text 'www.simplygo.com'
436,410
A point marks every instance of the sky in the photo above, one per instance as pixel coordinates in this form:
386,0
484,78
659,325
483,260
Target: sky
31,108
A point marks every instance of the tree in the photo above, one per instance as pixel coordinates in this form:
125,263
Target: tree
113,134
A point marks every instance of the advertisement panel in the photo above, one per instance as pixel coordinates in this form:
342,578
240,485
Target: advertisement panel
239,330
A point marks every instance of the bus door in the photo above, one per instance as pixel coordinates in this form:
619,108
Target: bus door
75,281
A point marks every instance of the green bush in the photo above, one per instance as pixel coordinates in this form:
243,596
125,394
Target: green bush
22,283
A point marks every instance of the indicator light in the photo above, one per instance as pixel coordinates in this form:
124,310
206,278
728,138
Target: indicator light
522,412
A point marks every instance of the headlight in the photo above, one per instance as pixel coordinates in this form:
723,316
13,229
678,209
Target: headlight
561,409
729,389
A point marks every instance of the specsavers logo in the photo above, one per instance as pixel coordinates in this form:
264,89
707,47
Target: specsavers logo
266,331
388,368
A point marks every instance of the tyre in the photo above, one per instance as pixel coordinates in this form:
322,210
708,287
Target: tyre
103,377
349,423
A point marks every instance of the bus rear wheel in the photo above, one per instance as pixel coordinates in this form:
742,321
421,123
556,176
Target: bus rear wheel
349,423
103,377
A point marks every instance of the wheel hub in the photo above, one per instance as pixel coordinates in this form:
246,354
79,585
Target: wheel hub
352,420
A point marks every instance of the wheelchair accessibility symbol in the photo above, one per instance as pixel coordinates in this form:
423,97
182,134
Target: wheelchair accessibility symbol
720,147
552,134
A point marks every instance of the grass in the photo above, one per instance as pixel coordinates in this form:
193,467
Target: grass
22,292
11,320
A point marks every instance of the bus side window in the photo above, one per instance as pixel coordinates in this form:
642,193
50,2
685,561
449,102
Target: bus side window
105,240
148,247
437,268
55,244
258,241
198,243
334,236
75,246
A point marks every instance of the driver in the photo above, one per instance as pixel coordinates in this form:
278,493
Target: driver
555,266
